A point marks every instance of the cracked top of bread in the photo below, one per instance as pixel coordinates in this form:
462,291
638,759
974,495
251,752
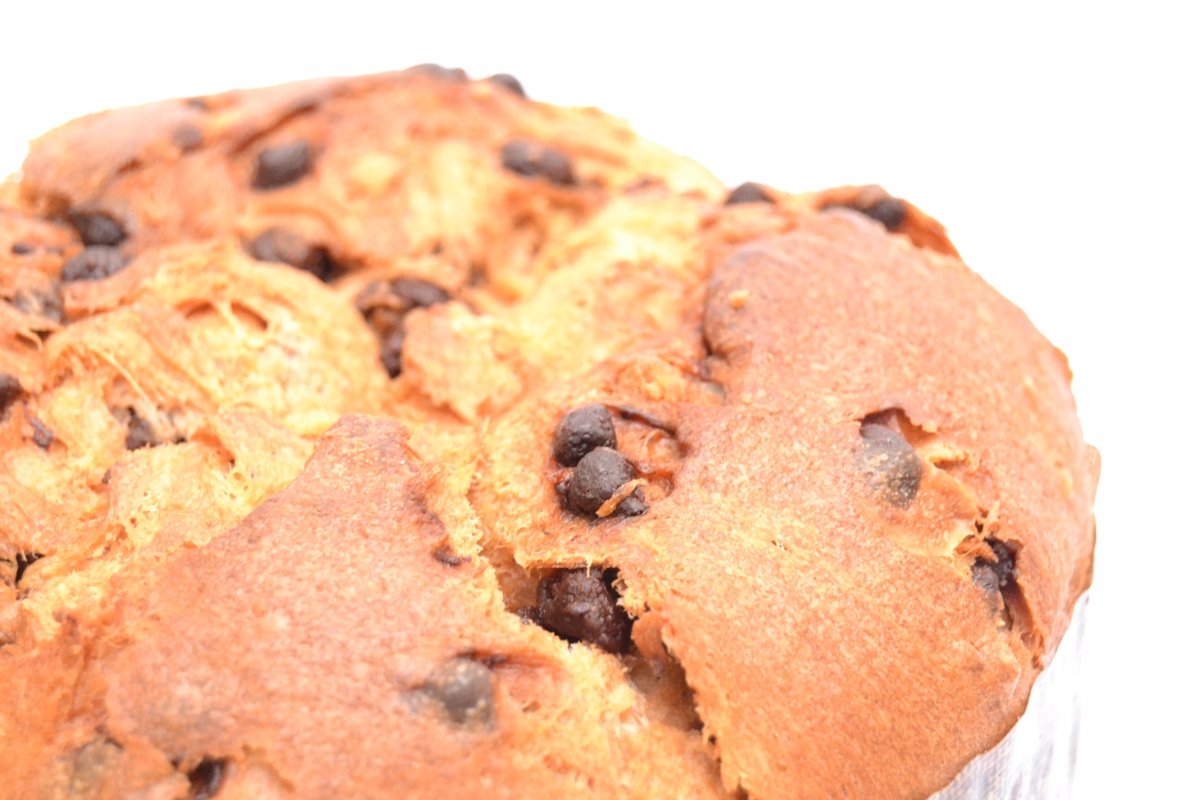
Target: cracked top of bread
401,431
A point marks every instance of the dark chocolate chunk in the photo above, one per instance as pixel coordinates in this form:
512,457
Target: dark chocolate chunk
388,326
534,160
22,249
10,391
582,431
282,165
94,263
384,305
597,477
96,227
40,302
994,576
445,554
401,295
283,246
454,75
749,193
187,137
632,506
278,244
24,560
205,779
890,211
139,433
375,296
893,466
463,687
391,351
43,437
509,82
580,605
417,293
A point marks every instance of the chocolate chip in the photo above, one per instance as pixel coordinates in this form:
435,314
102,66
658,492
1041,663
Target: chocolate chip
509,82
890,211
444,554
632,506
283,246
582,431
418,293
22,249
533,160
749,193
205,779
597,477
196,103
388,326
454,75
464,689
993,576
40,302
24,561
384,304
43,437
96,227
139,433
10,391
187,137
282,165
580,605
391,351
94,263
278,244
891,463
400,294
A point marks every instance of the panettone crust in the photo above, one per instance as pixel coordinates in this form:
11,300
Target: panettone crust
283,373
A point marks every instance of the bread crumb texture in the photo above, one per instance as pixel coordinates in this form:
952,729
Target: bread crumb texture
402,436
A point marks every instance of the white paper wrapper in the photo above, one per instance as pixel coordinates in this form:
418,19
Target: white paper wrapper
1036,760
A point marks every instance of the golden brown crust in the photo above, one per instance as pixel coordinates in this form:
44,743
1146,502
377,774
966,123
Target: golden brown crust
326,611
402,165
867,500
773,551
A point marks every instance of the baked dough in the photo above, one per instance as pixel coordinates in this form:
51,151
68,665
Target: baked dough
399,435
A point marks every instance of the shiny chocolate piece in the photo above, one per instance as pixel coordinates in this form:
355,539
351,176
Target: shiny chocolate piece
581,605
282,165
893,466
534,160
582,431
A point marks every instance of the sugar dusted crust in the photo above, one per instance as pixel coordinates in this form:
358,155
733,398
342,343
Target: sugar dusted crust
244,554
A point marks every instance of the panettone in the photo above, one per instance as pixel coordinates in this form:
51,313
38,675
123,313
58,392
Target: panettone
400,436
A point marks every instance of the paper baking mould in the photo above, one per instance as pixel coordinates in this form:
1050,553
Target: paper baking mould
1036,760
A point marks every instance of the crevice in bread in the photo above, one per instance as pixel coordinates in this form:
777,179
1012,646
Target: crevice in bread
659,676
997,572
206,778
12,570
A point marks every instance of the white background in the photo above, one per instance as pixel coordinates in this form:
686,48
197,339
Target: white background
1056,141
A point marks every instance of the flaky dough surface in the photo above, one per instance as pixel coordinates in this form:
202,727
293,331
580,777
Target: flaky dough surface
295,503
